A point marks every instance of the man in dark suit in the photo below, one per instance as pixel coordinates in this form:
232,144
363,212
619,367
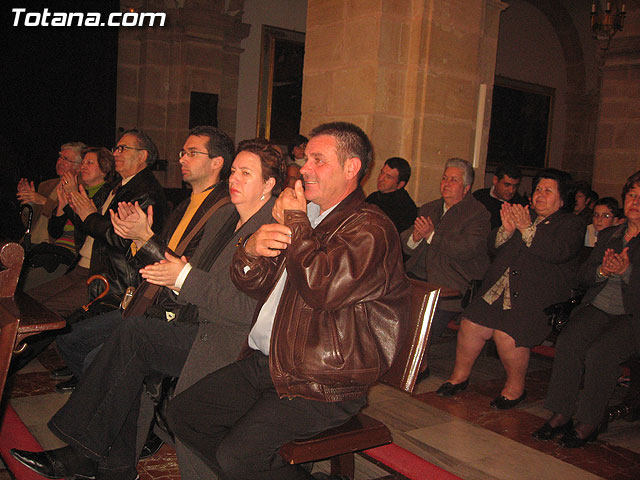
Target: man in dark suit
504,189
448,243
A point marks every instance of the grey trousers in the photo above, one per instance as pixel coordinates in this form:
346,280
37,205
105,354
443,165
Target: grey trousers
589,351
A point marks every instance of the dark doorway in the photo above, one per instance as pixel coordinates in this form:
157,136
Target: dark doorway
520,124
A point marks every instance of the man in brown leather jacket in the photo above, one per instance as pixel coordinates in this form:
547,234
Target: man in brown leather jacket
332,302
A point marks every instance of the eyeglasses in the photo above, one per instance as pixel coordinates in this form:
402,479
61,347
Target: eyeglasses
190,153
66,159
602,215
122,148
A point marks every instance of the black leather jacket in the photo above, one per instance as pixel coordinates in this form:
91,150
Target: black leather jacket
108,256
344,305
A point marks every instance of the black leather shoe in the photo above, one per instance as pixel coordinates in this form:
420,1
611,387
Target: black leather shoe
61,372
503,403
67,386
49,465
547,432
572,440
151,446
448,389
40,462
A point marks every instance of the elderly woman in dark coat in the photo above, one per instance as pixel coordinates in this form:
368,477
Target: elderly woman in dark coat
535,264
602,332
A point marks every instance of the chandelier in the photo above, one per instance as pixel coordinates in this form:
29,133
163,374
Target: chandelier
607,18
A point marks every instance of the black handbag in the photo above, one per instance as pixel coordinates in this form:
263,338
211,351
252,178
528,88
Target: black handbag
471,293
559,313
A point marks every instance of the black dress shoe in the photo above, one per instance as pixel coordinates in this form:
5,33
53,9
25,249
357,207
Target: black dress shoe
448,389
572,440
503,403
43,463
547,432
49,463
151,446
61,372
67,386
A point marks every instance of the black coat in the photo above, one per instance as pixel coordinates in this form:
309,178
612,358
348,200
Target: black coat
493,205
398,206
108,255
540,275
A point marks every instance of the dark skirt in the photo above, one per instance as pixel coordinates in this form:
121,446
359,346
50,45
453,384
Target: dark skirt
516,324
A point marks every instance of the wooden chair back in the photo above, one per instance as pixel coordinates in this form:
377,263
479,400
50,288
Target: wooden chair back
11,258
406,367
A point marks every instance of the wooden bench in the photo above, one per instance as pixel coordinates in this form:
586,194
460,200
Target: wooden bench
363,432
20,315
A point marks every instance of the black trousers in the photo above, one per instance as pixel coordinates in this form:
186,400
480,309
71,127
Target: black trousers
235,420
589,351
100,417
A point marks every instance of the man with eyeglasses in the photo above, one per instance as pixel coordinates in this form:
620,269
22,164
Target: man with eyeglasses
204,147
103,251
45,199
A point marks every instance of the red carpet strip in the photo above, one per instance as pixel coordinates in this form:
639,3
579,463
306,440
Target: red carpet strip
408,464
15,434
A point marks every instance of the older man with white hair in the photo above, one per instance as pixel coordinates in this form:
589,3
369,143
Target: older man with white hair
447,244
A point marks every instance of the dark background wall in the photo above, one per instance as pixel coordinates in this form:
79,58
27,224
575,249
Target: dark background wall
58,84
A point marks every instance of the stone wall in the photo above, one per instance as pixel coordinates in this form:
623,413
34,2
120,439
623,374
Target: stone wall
618,127
408,73
198,49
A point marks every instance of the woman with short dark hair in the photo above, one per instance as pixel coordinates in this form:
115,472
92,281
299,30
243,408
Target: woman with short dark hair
535,263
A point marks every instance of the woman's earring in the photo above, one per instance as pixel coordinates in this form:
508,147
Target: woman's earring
262,197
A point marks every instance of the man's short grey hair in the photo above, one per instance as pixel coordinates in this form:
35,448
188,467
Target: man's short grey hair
468,175
77,147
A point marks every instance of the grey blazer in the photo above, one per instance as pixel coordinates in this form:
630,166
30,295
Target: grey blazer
224,321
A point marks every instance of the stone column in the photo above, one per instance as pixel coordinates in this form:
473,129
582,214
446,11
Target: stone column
408,73
618,128
198,50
